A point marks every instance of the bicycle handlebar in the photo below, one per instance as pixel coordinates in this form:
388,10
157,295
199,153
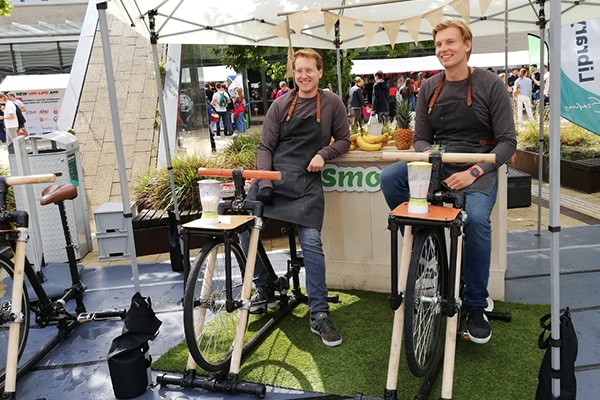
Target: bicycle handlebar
26,179
486,158
246,173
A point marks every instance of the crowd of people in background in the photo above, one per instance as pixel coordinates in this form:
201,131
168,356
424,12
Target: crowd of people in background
227,108
380,93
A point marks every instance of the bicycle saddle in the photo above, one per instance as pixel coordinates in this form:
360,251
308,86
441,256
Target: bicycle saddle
57,193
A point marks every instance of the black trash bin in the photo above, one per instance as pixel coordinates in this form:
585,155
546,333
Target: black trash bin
128,357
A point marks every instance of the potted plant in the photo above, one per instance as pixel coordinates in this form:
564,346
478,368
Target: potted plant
579,152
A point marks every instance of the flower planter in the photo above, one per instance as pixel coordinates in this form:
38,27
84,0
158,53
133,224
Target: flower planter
582,175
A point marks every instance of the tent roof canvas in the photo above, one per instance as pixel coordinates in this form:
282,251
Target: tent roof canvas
263,22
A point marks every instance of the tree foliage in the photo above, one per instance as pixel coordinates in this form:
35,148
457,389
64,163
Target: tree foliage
330,76
242,57
5,6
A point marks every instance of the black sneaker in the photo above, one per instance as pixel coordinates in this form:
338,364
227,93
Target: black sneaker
478,326
261,300
320,324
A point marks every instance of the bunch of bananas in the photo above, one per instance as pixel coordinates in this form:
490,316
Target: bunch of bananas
365,141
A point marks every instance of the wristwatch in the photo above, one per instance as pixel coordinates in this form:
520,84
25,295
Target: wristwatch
474,172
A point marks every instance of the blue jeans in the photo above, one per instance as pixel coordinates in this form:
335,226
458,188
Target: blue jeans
224,116
477,244
314,263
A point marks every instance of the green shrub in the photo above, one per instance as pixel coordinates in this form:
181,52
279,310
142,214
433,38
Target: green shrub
576,143
10,195
152,190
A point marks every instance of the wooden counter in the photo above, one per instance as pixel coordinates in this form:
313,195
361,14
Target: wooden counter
356,240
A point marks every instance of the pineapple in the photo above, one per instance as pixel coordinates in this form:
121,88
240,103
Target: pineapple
403,135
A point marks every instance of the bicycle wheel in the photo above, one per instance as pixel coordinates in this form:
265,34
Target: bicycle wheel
209,327
424,292
6,287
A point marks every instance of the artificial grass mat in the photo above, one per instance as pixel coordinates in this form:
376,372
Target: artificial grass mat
293,357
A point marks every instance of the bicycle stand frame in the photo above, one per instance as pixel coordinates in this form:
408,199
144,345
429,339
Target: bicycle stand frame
229,382
48,311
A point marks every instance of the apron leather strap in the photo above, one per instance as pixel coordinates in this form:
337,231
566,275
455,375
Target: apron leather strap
439,88
293,106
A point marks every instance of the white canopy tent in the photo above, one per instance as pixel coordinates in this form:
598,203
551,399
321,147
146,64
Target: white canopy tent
431,63
341,24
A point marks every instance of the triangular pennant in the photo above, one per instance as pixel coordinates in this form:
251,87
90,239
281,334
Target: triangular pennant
483,6
330,19
435,17
281,29
313,14
295,21
370,28
289,73
391,29
413,25
346,26
463,7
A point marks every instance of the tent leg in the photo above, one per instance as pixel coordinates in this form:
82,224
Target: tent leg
116,123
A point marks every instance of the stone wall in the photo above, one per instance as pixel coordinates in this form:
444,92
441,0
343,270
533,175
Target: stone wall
137,102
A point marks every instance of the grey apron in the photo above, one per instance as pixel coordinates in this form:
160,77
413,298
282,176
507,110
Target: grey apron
298,196
457,128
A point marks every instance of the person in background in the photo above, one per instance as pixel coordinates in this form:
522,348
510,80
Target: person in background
535,79
11,124
12,97
381,94
546,85
283,89
295,140
213,120
357,101
466,110
524,86
392,99
219,102
239,111
185,110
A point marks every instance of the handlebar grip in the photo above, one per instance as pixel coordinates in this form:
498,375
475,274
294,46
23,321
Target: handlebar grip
26,179
473,158
246,173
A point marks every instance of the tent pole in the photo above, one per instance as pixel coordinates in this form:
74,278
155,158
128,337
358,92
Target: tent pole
338,63
163,122
116,124
542,24
554,157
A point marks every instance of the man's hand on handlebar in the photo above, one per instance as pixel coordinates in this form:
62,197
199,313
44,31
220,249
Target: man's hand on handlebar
460,180
265,195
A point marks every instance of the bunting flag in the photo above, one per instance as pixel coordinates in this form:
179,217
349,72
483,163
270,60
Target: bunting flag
313,14
295,22
370,28
391,29
463,7
434,17
281,29
413,25
346,26
483,6
289,73
330,19
580,86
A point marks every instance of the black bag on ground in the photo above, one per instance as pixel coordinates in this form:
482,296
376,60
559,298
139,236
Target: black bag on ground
568,356
128,358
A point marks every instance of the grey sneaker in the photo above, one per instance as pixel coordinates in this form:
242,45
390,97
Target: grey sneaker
261,300
320,324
